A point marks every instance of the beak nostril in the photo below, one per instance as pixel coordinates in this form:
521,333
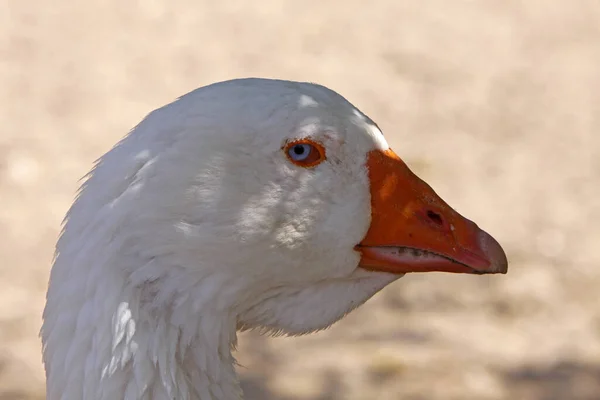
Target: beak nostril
435,217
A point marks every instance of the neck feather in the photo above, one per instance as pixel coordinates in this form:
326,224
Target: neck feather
108,336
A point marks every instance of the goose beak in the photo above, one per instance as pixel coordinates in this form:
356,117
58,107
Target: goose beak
413,230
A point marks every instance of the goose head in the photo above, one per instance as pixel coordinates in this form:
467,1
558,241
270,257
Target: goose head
245,204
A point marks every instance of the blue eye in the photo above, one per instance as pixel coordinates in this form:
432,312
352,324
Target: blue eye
300,151
305,153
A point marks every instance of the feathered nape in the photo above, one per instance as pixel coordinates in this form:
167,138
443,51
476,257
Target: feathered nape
122,322
147,339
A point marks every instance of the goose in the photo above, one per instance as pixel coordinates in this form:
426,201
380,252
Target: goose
246,204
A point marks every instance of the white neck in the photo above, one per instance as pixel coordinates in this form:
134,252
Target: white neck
119,338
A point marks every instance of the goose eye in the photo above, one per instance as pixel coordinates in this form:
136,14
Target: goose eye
300,151
305,153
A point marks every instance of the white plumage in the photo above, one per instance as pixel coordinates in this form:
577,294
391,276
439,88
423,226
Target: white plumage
196,225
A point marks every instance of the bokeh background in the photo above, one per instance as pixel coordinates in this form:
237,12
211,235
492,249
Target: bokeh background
495,103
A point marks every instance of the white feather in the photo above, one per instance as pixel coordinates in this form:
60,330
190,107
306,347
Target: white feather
196,225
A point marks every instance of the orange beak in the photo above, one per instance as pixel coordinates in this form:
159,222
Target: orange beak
414,230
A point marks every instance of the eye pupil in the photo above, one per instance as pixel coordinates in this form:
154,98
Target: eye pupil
298,149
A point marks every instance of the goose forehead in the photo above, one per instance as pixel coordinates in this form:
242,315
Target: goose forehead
279,110
323,110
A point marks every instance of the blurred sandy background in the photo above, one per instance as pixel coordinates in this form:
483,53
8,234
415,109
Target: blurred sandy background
494,103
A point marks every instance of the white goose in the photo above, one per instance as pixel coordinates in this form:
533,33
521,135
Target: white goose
245,204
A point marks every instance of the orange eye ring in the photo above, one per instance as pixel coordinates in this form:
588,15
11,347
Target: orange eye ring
304,153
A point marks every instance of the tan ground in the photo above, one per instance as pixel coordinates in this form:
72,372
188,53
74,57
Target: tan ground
495,103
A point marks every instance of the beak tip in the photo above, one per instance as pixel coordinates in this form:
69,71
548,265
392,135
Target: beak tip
495,254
